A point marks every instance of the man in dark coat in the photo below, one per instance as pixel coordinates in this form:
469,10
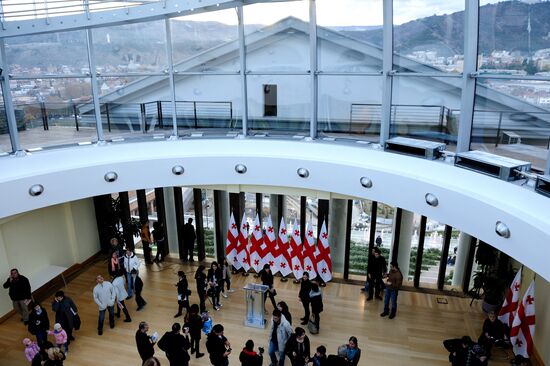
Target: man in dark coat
376,268
218,346
20,293
297,347
188,240
138,287
305,288
39,323
175,345
65,310
145,344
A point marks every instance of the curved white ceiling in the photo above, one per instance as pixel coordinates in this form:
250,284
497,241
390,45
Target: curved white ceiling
469,201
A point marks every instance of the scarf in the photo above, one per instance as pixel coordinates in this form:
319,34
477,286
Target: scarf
114,263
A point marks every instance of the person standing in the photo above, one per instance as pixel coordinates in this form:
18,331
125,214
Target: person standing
20,293
145,344
279,334
104,297
200,278
194,322
183,293
226,278
114,264
145,235
160,239
316,300
121,294
214,279
65,311
189,237
116,248
376,268
283,307
39,323
267,279
175,345
394,281
303,295
297,348
140,301
218,346
131,268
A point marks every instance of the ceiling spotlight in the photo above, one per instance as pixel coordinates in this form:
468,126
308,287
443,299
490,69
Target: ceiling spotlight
240,168
431,199
177,170
502,230
303,172
366,182
110,177
36,190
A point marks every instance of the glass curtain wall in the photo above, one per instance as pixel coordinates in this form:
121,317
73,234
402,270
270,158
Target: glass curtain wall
277,58
208,223
349,47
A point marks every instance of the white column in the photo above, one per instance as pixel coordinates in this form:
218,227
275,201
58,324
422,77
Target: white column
461,258
338,210
405,238
223,208
171,223
274,210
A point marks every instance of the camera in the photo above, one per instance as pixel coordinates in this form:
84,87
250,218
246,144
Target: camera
261,350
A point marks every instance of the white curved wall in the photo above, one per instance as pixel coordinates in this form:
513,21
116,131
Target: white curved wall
468,201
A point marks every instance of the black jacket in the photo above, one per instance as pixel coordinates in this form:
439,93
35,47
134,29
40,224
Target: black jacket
293,347
267,278
138,285
200,277
183,288
305,288
377,266
189,233
175,346
316,304
216,348
63,313
334,360
38,322
248,358
195,323
144,345
20,289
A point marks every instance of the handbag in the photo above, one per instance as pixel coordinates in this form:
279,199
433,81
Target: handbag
76,320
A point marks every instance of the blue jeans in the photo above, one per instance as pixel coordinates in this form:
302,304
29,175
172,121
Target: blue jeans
390,295
274,352
130,279
101,319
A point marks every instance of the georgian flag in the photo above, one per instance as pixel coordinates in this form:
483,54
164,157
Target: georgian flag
523,327
283,257
231,243
308,253
242,251
508,309
324,262
257,246
271,247
295,251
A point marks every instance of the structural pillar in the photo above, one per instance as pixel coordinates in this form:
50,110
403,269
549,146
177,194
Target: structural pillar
142,205
221,222
461,258
171,225
405,237
274,210
337,233
161,212
104,215
180,219
125,217
199,223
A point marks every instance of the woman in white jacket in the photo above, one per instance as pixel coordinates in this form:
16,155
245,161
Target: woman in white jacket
121,294
131,268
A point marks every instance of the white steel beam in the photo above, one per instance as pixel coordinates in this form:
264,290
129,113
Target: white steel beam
171,78
387,67
313,68
242,60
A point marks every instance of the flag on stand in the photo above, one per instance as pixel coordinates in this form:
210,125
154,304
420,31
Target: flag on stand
324,262
231,243
271,247
295,251
523,327
508,310
308,253
283,259
242,247
257,246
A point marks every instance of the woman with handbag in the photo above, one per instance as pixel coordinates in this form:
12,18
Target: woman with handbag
65,313
214,278
183,293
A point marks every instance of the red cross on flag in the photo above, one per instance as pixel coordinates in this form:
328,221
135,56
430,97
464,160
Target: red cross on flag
508,310
523,327
257,246
324,262
308,253
231,243
242,251
270,242
295,251
283,258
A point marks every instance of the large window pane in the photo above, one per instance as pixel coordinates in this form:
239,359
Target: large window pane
208,223
433,246
360,231
428,35
349,35
350,106
279,103
206,42
48,54
426,108
53,112
131,48
512,118
277,36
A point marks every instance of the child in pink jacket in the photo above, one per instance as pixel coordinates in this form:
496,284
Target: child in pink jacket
60,337
31,349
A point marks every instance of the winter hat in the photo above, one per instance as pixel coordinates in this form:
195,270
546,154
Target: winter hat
26,341
57,326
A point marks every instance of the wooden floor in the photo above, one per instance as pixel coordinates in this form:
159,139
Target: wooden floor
414,337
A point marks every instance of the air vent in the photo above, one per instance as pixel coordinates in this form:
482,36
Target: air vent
420,148
542,185
493,165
